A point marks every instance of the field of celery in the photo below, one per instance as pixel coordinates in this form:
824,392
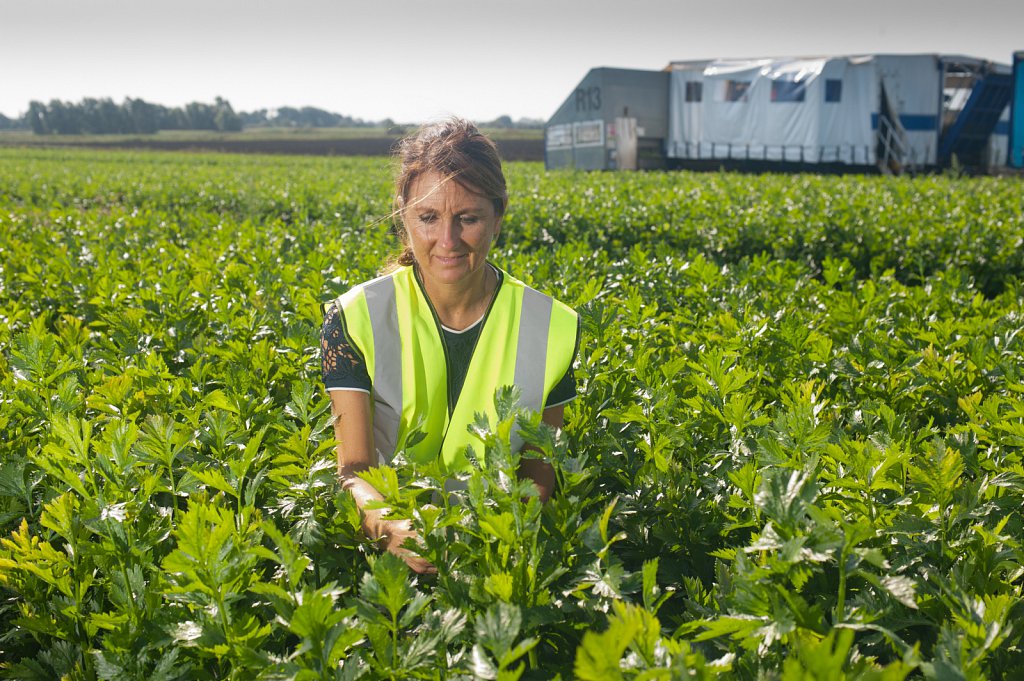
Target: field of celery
796,454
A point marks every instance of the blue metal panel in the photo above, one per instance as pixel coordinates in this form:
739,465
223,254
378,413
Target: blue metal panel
590,158
1016,156
969,134
558,158
911,122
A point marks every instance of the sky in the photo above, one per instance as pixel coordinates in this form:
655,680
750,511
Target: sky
417,60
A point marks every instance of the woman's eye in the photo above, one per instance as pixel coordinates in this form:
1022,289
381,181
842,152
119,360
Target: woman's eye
427,218
469,219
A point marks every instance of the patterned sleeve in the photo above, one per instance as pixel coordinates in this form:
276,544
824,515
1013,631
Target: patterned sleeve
565,390
342,365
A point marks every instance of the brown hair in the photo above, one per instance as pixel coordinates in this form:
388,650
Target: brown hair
459,151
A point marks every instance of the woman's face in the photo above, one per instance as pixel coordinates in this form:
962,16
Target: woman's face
450,228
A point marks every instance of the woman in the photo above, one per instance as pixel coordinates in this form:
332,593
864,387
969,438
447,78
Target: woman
424,347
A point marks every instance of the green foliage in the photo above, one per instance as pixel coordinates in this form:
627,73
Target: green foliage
797,452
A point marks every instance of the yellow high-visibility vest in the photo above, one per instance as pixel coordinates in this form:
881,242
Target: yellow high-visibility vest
527,340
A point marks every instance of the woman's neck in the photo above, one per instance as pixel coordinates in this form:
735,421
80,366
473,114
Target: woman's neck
461,304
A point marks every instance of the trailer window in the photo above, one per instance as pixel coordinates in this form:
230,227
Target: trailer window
788,91
833,90
588,133
559,136
736,90
694,91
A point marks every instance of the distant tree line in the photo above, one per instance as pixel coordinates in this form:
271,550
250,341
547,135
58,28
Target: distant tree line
104,117
311,117
136,116
506,122
12,123
305,117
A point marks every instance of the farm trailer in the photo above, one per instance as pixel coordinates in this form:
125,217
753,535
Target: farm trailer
895,113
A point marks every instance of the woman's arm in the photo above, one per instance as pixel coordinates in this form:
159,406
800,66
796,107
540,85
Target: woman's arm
353,429
538,470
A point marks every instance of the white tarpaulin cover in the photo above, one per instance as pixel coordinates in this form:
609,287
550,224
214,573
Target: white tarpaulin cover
913,87
811,110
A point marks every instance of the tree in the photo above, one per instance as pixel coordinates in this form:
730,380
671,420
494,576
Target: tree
225,119
144,116
254,119
61,118
37,118
200,116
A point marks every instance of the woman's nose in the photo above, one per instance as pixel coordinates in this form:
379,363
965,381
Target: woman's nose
449,234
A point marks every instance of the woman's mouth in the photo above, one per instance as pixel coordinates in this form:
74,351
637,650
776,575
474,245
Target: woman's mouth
450,259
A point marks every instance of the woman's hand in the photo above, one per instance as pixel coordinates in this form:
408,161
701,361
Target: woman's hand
541,472
353,430
396,532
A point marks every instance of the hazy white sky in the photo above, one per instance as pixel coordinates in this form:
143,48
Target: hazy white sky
413,60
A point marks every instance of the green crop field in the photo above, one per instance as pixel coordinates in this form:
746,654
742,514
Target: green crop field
796,454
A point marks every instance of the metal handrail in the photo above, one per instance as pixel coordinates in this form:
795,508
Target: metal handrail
893,139
894,146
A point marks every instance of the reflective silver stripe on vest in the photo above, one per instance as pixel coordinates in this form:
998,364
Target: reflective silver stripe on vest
531,354
387,365
532,351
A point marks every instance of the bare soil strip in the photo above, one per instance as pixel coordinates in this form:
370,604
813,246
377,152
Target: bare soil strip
511,150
